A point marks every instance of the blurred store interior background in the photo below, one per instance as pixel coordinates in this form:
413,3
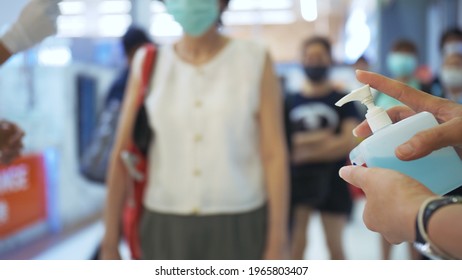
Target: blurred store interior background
55,92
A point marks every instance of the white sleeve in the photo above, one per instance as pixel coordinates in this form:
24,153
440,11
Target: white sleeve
36,21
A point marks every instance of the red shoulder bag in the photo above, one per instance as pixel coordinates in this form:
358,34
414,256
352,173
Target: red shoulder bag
136,163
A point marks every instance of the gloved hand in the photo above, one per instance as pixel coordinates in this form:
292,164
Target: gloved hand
36,22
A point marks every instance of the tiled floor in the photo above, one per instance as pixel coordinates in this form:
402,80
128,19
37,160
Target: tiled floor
360,243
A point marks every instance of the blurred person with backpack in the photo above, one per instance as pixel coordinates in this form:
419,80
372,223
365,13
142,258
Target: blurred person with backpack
95,159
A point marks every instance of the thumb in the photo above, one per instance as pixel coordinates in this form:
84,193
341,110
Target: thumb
427,141
355,175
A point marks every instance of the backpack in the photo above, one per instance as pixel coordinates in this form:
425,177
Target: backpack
94,162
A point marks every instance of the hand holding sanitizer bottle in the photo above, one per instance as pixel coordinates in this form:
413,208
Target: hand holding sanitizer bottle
440,171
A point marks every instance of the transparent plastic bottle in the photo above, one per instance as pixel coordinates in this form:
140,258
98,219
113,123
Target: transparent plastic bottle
440,171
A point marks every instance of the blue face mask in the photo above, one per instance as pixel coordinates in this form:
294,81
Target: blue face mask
195,16
451,77
401,64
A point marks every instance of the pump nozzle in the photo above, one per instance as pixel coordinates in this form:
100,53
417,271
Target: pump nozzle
363,95
376,116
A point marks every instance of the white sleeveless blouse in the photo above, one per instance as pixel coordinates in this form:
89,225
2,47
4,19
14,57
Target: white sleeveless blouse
206,155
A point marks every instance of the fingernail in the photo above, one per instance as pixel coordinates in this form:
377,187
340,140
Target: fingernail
405,150
355,134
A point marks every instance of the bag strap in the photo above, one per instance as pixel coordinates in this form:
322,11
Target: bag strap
147,70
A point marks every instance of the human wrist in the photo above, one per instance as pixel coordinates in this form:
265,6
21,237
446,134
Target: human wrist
278,235
432,237
110,241
411,215
439,232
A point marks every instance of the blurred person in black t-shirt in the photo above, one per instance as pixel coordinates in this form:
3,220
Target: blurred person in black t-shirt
320,138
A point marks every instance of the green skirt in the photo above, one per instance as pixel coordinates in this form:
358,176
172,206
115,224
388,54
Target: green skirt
209,237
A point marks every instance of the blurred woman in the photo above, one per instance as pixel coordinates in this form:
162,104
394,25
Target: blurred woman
319,136
217,185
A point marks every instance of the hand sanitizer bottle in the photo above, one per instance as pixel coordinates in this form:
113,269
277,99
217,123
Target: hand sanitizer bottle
440,171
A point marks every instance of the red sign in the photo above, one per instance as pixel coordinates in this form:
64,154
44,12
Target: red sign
22,194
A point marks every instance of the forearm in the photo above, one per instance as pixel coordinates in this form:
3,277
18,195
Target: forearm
5,54
445,230
118,178
331,148
329,151
276,178
116,195
335,149
311,138
275,163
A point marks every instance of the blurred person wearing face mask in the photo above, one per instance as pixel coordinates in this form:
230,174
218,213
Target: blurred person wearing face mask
451,41
450,44
402,63
319,138
133,39
217,184
451,77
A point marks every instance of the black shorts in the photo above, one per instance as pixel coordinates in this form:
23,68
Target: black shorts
311,188
339,200
323,190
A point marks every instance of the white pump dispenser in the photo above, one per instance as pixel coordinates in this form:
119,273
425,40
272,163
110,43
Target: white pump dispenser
377,118
441,171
